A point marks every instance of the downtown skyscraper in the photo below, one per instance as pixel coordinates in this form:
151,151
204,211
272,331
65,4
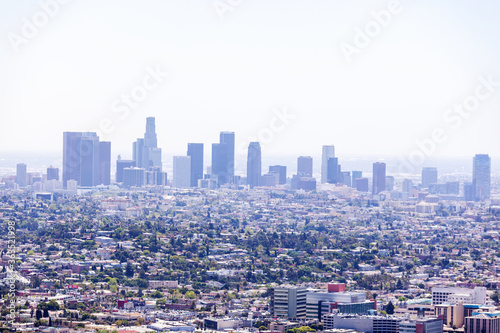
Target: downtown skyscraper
86,159
223,158
254,164
195,151
146,155
481,177
328,152
378,177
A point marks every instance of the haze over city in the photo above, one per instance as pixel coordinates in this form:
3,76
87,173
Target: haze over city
231,69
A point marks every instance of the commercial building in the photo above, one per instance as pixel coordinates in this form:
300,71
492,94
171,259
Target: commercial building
481,177
483,322
455,295
254,164
421,325
182,172
281,171
21,175
195,151
429,176
288,302
378,177
83,160
304,166
327,153
368,323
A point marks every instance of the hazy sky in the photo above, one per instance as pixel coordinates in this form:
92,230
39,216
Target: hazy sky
232,64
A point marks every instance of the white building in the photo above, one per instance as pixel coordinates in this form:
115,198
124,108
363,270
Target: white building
455,295
182,171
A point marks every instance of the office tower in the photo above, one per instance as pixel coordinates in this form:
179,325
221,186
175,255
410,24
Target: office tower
468,192
304,166
346,178
21,175
71,157
407,186
223,158
133,177
182,172
356,175
378,177
254,164
429,176
361,184
227,138
52,173
82,159
105,163
155,176
332,170
89,160
281,171
195,151
389,183
288,302
481,176
146,153
328,152
120,166
270,179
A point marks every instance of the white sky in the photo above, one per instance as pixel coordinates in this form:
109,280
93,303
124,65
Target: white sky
231,74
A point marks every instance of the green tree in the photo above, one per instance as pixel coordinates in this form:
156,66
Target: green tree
390,308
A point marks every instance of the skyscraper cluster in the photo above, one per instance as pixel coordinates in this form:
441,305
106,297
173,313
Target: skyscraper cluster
86,160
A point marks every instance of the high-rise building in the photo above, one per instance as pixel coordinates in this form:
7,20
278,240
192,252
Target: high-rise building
468,192
223,158
281,171
52,173
89,160
356,175
361,184
328,152
346,178
481,177
254,164
195,151
83,161
389,183
146,153
104,162
120,166
429,176
133,177
21,175
182,171
304,166
332,170
378,177
227,138
288,302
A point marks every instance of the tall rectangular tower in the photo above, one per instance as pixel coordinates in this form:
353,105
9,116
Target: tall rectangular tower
429,176
328,152
378,177
195,151
305,166
182,171
481,177
21,175
254,164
